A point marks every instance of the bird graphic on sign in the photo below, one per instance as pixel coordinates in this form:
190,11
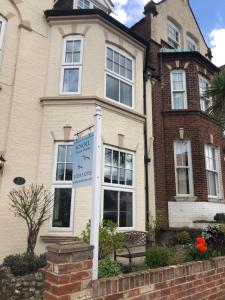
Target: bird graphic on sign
80,167
85,157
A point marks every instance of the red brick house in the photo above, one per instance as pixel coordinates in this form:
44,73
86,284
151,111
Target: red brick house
188,143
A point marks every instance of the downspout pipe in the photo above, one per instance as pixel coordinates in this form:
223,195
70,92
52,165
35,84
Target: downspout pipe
146,158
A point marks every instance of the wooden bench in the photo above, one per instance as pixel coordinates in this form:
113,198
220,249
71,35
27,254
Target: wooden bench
132,241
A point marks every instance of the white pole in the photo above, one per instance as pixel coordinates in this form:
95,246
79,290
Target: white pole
96,190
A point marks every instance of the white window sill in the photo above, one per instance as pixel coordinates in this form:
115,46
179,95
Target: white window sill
185,198
215,199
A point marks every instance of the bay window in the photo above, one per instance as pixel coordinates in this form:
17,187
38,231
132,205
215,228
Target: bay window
183,168
212,170
62,187
178,89
71,65
205,102
173,35
118,187
119,76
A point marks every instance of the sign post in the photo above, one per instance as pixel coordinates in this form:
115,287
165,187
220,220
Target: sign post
96,190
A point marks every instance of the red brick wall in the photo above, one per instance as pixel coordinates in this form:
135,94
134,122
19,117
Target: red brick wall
68,277
199,280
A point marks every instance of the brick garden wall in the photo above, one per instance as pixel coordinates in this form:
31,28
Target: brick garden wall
68,277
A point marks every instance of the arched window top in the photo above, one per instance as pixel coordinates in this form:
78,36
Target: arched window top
72,50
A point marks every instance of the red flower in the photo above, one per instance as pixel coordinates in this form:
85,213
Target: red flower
200,240
201,247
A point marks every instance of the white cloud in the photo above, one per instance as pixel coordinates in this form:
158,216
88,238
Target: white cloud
129,11
217,41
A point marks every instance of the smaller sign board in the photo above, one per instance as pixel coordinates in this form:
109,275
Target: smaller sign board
83,161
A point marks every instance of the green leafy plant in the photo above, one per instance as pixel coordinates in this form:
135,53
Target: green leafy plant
216,91
21,264
133,268
184,238
193,254
109,268
157,256
110,239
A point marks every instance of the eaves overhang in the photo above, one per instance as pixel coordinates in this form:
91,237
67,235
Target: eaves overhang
92,13
191,55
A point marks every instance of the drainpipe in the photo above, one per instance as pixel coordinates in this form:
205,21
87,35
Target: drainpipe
147,160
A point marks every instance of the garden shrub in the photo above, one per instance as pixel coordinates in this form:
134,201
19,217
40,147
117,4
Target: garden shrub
215,239
193,254
219,218
133,268
109,239
109,268
184,238
157,256
22,264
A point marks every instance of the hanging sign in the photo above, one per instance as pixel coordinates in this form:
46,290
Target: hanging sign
83,161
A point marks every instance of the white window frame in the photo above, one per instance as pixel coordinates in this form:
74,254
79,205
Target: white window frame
61,184
92,5
2,34
174,27
77,65
174,91
119,187
190,173
120,77
217,171
193,42
200,77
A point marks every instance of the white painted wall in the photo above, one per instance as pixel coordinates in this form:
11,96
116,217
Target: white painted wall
182,214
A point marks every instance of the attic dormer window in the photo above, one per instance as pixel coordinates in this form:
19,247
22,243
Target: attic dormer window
84,4
173,35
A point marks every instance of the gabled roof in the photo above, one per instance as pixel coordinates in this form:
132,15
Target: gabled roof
162,1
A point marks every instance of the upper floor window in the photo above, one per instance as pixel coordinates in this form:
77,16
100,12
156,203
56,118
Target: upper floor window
84,4
178,89
71,65
205,102
2,31
183,168
119,76
191,44
212,170
173,35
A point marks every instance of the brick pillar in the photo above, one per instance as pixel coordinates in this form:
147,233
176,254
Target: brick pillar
69,270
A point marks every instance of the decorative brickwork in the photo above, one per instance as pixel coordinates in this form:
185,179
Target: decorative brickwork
68,277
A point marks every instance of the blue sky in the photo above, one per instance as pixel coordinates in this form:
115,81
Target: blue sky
210,15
